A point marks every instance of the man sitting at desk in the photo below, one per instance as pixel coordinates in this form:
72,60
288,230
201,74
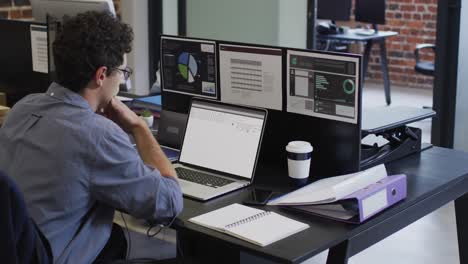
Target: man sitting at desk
75,166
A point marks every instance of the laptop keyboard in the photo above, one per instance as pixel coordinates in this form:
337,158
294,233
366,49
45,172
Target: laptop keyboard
201,178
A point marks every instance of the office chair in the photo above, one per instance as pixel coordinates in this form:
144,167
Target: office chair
21,241
424,67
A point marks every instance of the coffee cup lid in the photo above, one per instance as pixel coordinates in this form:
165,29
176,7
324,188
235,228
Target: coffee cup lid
299,147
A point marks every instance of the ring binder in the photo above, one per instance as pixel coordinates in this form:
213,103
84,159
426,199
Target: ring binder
248,219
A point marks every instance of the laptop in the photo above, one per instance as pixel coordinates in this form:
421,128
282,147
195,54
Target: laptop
220,148
172,154
171,132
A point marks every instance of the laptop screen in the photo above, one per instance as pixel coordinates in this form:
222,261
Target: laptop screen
223,138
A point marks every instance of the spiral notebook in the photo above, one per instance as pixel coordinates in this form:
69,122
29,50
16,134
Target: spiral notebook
250,224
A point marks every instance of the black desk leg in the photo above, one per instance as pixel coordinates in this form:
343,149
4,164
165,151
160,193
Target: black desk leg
338,254
383,57
461,213
367,51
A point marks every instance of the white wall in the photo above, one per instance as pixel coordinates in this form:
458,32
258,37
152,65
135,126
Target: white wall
135,13
269,22
238,20
292,23
170,14
461,110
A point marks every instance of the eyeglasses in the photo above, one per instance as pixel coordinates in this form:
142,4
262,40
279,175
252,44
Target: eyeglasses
126,72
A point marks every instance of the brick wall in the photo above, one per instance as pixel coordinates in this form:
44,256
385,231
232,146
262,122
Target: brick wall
21,9
415,21
15,9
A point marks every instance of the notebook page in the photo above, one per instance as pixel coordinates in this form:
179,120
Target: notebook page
265,230
333,188
224,216
366,178
317,191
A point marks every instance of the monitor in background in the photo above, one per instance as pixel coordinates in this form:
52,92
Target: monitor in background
251,75
334,9
323,85
18,76
60,8
189,66
52,12
370,11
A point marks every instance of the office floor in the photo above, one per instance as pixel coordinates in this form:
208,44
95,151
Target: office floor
431,240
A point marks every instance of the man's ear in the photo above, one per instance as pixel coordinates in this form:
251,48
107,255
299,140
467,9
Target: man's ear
100,75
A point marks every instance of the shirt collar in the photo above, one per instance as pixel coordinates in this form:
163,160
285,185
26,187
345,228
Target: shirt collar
66,95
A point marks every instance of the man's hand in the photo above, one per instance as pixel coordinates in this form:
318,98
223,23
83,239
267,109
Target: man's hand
123,116
147,146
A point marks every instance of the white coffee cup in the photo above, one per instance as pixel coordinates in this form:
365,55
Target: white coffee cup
299,154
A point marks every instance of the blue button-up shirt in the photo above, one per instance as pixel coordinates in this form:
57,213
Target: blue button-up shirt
74,167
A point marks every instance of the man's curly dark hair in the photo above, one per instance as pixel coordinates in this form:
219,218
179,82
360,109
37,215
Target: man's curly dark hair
86,42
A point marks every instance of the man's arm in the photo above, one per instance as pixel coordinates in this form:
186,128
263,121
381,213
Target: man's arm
149,149
121,179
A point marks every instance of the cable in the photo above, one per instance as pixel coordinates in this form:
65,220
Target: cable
129,247
161,227
148,231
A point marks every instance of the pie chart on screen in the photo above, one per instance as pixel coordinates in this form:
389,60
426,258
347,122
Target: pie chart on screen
187,66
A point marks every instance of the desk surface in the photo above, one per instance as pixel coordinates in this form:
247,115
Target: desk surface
435,177
351,35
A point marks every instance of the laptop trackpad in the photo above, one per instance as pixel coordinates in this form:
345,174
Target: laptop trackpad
184,185
201,191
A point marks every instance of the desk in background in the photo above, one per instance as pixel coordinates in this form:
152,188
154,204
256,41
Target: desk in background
379,38
435,177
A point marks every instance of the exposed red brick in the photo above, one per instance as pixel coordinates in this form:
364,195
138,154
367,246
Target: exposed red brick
26,13
414,20
15,14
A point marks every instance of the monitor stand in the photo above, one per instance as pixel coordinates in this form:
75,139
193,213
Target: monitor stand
390,123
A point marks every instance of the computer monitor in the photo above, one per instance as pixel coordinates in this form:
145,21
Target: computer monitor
60,8
323,85
370,11
251,75
52,12
18,76
334,9
189,66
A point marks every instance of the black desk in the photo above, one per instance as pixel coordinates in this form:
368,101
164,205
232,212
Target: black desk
379,37
435,177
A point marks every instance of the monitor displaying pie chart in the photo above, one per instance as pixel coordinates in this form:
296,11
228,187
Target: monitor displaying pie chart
188,67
